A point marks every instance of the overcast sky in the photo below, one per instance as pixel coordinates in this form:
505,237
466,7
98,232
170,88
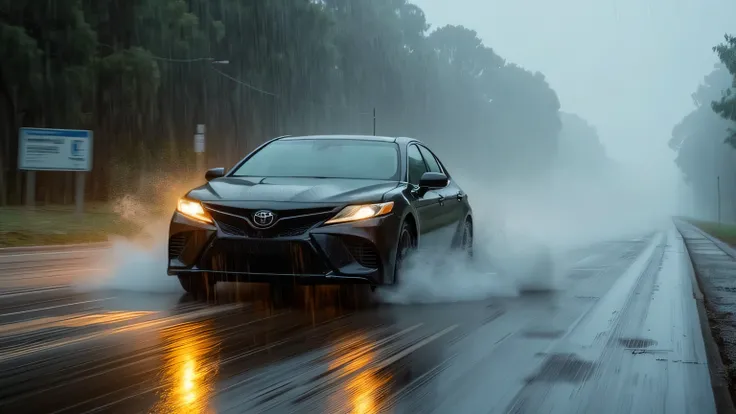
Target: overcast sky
627,66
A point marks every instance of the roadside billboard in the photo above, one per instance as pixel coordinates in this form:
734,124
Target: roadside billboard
44,149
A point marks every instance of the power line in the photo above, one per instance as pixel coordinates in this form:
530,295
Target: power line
243,83
182,60
221,73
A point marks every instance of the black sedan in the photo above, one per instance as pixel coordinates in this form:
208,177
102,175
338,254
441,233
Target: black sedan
317,210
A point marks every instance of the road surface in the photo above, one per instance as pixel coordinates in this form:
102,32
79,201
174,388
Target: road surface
622,335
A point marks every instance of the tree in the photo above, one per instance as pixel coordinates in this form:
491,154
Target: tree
140,73
701,153
726,106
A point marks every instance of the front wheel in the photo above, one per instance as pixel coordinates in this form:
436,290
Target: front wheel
282,295
355,296
196,284
407,243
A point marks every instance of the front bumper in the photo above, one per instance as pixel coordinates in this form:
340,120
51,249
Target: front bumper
360,252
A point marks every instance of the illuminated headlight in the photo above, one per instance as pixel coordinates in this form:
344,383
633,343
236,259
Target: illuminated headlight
193,210
361,212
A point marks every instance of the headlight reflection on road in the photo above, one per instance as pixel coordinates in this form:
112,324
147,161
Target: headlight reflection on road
363,385
189,370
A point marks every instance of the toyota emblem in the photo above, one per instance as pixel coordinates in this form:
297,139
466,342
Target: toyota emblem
263,218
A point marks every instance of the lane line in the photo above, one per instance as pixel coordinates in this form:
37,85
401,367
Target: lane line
168,384
91,250
583,332
25,274
409,350
355,354
55,307
34,291
336,374
135,327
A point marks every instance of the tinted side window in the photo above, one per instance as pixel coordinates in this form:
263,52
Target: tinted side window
431,161
416,165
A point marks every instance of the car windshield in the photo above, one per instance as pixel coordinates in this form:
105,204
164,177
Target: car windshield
324,158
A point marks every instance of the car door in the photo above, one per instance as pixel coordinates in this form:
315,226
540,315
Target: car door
428,205
451,210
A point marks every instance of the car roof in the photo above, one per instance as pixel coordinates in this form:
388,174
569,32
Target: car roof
401,140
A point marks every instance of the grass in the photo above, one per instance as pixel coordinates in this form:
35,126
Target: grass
722,231
56,225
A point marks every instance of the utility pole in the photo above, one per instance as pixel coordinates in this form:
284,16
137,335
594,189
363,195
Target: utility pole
718,184
374,121
199,145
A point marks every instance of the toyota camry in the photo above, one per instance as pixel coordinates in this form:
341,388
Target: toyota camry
317,210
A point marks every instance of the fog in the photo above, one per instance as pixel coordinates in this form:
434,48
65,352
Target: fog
627,66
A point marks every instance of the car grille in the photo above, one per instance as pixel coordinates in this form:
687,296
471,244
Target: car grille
272,257
289,223
177,243
363,252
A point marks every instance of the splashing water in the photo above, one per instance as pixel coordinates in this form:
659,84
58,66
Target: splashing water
137,264
434,276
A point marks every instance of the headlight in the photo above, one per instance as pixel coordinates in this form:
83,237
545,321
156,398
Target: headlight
361,212
193,210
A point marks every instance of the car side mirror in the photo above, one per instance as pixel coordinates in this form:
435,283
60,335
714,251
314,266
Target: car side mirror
432,181
213,173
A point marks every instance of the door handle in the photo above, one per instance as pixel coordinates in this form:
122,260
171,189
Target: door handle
460,196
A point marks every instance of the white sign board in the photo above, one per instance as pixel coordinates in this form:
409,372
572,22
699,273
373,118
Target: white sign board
55,149
200,128
199,143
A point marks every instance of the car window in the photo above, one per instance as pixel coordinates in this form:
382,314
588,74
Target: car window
324,158
430,160
416,166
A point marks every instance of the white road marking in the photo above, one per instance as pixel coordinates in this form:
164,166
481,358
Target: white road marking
55,307
5,356
60,252
388,361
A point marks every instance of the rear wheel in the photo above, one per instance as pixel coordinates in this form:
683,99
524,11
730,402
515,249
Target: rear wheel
407,243
197,284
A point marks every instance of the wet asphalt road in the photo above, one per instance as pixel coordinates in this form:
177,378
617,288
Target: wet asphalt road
621,335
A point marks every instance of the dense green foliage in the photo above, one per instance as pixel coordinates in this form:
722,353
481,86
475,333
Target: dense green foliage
142,73
702,138
726,106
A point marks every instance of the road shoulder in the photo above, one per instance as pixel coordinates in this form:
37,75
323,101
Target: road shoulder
713,267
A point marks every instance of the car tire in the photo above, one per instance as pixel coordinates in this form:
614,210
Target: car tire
406,244
282,295
466,242
197,284
354,296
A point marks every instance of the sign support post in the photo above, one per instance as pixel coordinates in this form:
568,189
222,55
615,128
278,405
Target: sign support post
30,189
79,189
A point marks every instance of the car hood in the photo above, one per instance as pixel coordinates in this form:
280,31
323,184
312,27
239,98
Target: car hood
297,190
